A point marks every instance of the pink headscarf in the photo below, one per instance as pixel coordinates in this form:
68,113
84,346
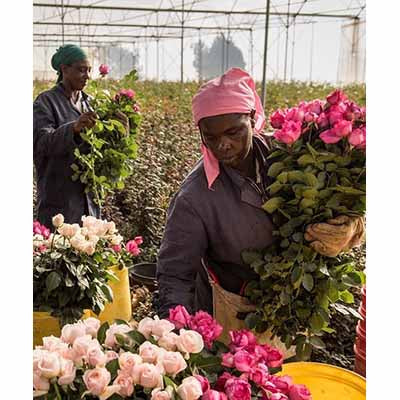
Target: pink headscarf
232,92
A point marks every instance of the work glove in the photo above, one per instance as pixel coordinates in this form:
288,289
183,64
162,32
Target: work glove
336,235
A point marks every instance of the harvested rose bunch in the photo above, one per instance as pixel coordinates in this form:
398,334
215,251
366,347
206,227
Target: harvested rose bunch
317,174
111,143
335,119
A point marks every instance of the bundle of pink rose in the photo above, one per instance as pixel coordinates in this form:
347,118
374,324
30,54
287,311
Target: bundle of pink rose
159,359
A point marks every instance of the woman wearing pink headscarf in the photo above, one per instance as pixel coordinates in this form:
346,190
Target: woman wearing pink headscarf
217,212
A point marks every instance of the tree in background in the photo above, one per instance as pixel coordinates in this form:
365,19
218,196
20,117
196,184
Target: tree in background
121,60
213,61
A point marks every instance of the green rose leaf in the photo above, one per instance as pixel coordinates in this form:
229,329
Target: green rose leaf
317,342
272,204
308,282
346,296
305,159
136,336
101,333
316,322
53,280
113,367
275,169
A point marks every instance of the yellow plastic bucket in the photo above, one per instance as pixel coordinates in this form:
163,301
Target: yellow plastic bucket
44,325
121,307
327,382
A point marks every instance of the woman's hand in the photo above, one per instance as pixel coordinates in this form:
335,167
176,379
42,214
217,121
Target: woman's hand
336,235
85,120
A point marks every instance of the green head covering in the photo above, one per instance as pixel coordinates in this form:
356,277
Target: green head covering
66,54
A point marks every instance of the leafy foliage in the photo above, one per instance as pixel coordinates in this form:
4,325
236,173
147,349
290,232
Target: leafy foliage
108,162
311,182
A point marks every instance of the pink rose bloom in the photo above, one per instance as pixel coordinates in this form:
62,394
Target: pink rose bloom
236,388
283,383
149,352
329,136
214,395
289,133
241,339
70,332
342,128
259,375
207,326
40,383
51,342
322,121
190,341
205,384
161,327
222,379
334,117
168,341
315,107
112,330
145,326
190,389
173,363
45,232
117,248
358,138
138,240
127,361
104,69
277,119
127,93
111,355
67,372
336,97
243,361
295,114
299,392
158,394
37,228
132,248
179,317
49,365
278,396
92,326
310,117
148,375
81,346
227,360
125,382
96,380
95,356
274,357
136,108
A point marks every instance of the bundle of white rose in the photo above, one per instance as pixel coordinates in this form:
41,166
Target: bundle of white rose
77,363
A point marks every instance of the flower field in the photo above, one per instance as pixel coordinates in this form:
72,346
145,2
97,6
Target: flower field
168,147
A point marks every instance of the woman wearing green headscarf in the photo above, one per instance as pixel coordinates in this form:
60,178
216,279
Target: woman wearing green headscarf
59,116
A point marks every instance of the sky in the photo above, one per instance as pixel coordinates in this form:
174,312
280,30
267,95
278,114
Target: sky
313,51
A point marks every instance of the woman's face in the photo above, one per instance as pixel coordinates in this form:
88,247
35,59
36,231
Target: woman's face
228,136
77,74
